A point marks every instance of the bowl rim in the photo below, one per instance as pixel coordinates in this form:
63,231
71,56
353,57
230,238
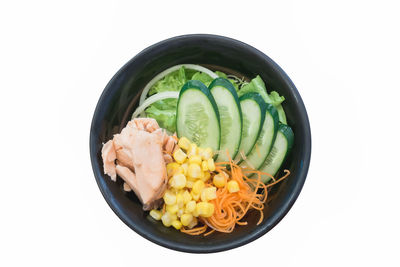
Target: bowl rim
276,217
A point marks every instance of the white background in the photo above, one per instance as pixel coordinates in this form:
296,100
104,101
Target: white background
56,58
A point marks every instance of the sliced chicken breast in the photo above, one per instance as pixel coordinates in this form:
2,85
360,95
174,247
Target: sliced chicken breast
140,151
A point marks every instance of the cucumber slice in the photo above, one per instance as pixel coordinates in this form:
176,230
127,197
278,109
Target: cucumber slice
197,116
253,113
230,117
265,140
280,150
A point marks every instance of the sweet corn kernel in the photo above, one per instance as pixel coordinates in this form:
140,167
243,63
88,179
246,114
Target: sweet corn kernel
206,176
180,212
156,214
172,216
179,200
172,168
192,150
211,165
193,179
178,181
207,153
195,196
184,143
184,168
195,159
190,206
189,183
201,207
168,218
169,198
180,170
198,187
208,193
195,213
233,186
201,175
172,209
210,210
203,196
186,196
186,219
219,180
193,223
177,224
205,209
204,166
194,170
179,156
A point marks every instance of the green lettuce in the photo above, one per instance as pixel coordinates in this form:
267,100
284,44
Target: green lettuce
202,77
164,112
221,74
171,82
257,85
276,98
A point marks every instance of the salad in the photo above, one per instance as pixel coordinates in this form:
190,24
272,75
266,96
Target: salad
202,149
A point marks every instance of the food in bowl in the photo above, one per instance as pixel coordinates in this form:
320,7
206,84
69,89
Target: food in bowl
202,148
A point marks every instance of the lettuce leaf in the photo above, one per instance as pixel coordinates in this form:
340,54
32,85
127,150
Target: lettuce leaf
171,82
257,85
202,77
221,74
276,98
164,112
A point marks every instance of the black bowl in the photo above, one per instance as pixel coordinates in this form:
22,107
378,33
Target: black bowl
120,97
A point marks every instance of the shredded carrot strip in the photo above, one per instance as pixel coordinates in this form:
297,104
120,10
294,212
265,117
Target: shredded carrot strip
195,231
231,208
219,168
280,179
209,233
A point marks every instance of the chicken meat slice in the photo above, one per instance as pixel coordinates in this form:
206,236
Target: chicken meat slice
140,151
109,156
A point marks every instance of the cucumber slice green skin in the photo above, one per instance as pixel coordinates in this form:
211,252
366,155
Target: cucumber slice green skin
197,116
254,118
279,152
231,121
265,141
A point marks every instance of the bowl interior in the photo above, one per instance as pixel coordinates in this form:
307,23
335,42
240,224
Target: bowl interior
120,98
